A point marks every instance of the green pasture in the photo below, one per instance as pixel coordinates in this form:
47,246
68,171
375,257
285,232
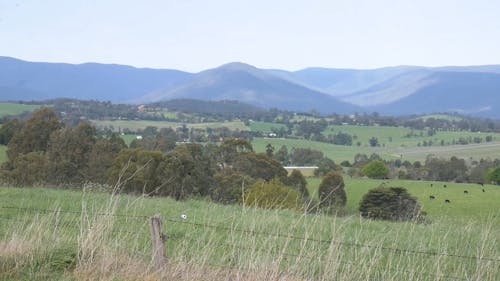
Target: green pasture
391,137
7,108
474,205
338,153
243,238
265,127
135,125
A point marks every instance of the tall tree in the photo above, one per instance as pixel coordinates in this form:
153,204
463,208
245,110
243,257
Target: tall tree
35,134
101,158
297,181
68,153
9,129
331,192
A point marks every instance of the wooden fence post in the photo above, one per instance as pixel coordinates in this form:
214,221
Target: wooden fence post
158,239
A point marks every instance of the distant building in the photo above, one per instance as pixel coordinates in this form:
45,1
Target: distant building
141,107
307,171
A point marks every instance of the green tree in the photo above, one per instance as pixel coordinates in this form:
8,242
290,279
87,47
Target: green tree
68,153
101,157
331,192
390,203
25,170
259,166
494,176
230,186
297,181
282,155
272,195
375,170
8,129
305,156
232,148
269,150
373,141
326,165
35,134
136,171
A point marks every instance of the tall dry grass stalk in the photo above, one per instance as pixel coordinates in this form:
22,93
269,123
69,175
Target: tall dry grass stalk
251,244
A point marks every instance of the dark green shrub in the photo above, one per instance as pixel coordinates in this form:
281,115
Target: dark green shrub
331,192
390,203
297,181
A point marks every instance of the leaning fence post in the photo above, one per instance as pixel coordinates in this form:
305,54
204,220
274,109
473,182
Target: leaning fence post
158,240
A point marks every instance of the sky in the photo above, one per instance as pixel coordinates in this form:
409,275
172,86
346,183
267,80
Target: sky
194,35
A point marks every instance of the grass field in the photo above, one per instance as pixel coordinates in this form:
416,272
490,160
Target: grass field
483,203
265,127
138,125
390,137
340,153
7,108
216,242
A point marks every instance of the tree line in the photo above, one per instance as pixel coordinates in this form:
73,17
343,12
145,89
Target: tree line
45,151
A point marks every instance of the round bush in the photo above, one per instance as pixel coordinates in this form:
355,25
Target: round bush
390,203
272,195
375,170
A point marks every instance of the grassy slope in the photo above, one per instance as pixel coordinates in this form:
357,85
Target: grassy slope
136,125
15,108
364,133
449,233
336,152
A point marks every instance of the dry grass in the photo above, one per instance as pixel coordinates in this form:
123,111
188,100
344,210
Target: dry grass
101,246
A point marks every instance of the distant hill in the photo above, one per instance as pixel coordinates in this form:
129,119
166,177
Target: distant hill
391,90
245,83
342,82
475,93
21,80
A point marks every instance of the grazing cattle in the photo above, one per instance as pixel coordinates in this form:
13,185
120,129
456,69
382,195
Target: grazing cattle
432,197
444,185
466,192
431,184
447,201
484,190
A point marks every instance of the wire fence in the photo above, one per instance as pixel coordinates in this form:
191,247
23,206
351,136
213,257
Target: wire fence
76,224
266,234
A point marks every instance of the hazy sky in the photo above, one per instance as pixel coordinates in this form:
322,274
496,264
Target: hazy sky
197,34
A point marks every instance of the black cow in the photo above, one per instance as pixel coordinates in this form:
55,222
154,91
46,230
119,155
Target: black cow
432,197
484,190
444,185
466,192
447,201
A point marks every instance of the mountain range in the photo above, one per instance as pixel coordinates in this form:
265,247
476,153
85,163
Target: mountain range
400,90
